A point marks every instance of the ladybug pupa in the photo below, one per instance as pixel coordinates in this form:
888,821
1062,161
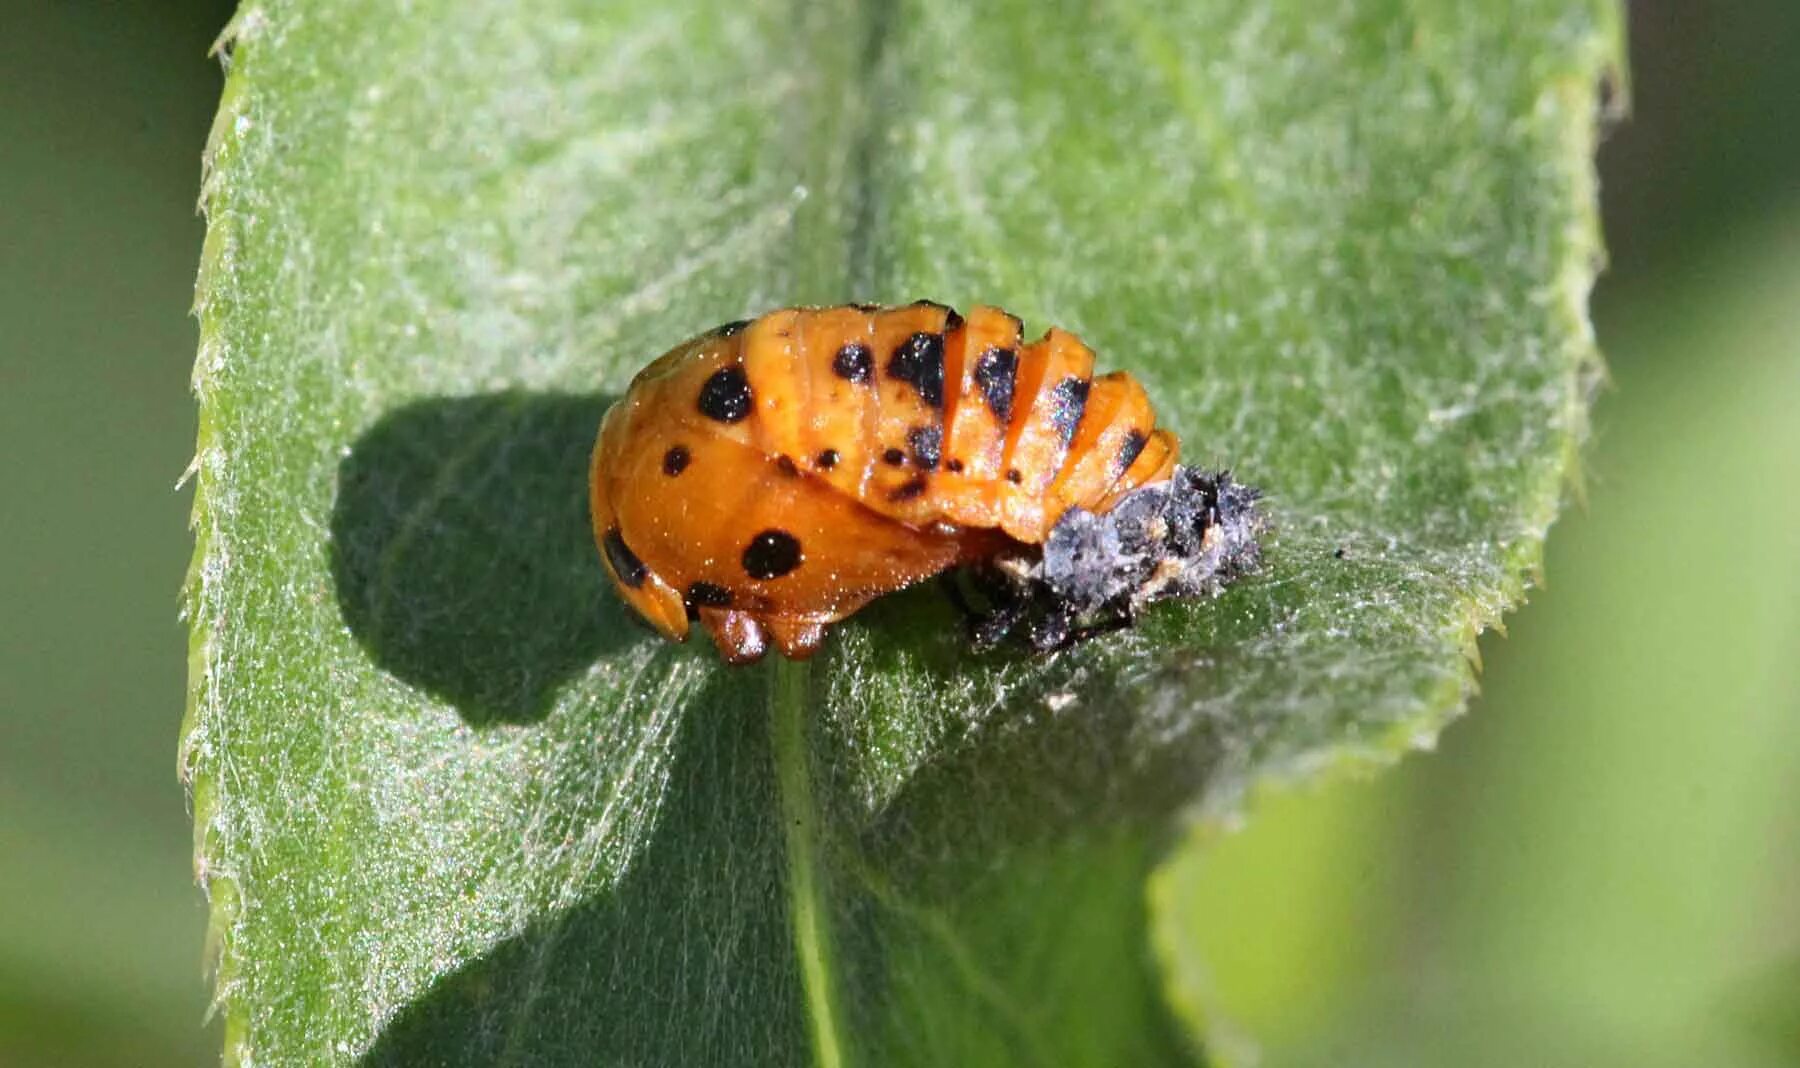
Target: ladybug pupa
772,476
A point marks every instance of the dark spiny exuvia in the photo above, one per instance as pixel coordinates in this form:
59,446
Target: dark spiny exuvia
1186,537
1180,538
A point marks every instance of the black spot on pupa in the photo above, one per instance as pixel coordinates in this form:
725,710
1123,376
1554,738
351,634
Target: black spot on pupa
1128,452
868,309
1014,476
953,465
828,459
707,595
926,443
1067,401
771,554
676,460
733,327
894,457
995,373
906,491
854,362
919,362
787,466
625,564
726,395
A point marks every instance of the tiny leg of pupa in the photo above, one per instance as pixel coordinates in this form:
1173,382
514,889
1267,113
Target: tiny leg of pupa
739,637
797,639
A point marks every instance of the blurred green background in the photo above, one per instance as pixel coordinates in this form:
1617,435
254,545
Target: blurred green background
1601,866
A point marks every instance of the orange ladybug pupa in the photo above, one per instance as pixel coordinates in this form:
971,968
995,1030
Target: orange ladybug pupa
772,476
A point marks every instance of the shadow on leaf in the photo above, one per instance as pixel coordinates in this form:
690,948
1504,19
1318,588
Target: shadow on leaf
462,555
686,960
999,890
997,923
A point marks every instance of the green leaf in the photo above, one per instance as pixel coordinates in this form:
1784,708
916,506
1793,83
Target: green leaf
452,807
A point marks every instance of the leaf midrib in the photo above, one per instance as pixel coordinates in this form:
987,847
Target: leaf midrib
807,908
867,93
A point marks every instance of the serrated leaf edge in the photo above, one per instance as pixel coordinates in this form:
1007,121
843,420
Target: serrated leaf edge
1587,98
211,559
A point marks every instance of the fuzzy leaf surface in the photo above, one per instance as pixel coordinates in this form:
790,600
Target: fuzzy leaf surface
454,808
